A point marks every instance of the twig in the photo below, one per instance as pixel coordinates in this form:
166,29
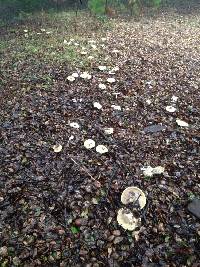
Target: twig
83,168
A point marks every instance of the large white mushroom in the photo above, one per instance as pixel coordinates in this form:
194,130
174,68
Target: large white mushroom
126,219
133,194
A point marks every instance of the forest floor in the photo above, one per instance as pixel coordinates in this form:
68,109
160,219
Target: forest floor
60,208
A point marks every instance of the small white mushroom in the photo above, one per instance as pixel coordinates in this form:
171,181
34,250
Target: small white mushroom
170,109
182,123
71,137
174,98
90,57
86,75
148,101
74,125
89,143
75,75
132,194
115,51
97,105
116,107
102,68
57,148
158,170
102,86
101,149
83,52
127,220
108,130
111,80
71,78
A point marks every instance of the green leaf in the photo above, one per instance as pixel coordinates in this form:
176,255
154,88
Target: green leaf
75,230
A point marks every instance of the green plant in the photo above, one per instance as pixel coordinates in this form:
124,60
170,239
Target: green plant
97,6
151,3
75,230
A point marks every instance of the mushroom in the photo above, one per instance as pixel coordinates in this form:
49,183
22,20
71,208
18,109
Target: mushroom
74,125
111,80
86,75
89,143
150,171
170,109
108,130
182,123
133,194
116,107
174,98
57,148
97,105
102,86
126,219
75,75
102,68
101,149
70,78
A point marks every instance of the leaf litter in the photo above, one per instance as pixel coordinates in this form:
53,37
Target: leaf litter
62,208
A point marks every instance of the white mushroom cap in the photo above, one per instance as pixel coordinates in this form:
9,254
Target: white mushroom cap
182,123
150,171
111,80
74,125
102,86
126,219
102,68
116,107
86,75
132,194
89,143
57,148
70,78
97,105
174,98
170,109
108,130
158,170
75,75
101,149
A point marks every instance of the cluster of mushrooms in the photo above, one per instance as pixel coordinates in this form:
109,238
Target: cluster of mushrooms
134,200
